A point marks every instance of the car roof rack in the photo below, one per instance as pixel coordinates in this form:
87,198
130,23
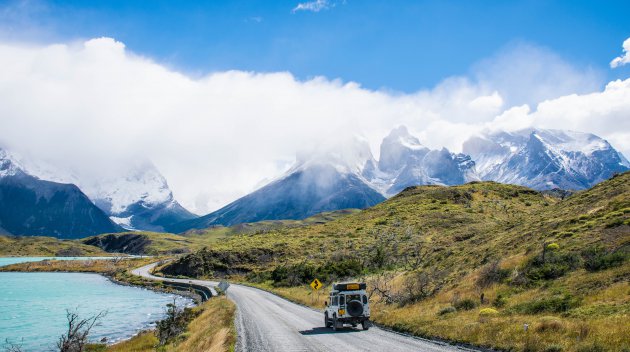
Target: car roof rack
349,286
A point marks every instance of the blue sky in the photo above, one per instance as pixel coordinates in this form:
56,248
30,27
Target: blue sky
192,85
397,45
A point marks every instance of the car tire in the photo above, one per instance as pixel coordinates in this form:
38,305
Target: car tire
327,321
365,324
334,323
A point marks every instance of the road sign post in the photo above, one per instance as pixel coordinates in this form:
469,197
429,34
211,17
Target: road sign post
223,286
315,285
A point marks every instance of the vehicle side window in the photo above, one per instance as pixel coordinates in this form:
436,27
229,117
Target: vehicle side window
365,299
342,300
335,301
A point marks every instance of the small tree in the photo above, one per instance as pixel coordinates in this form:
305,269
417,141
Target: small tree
175,323
76,338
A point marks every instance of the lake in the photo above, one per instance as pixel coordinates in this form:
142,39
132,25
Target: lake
33,307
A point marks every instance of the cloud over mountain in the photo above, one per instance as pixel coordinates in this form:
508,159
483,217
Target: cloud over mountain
221,135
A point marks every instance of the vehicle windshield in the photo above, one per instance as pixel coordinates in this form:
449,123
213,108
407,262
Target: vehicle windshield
350,298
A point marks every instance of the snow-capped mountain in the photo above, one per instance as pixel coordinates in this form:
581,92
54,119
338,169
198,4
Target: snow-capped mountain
319,181
33,207
134,194
405,162
544,159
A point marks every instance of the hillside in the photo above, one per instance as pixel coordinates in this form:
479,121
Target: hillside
471,263
33,207
17,246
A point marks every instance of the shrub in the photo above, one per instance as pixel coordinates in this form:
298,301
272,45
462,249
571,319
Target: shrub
550,265
486,312
447,310
465,304
556,304
304,272
550,324
175,323
380,222
553,246
492,273
499,301
597,258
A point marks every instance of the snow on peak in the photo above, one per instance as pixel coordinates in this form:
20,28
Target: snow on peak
112,189
544,158
9,164
348,156
142,184
401,136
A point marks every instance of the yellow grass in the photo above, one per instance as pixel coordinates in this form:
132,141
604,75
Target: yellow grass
505,330
90,266
212,331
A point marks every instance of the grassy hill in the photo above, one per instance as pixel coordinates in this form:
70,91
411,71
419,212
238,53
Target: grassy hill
18,246
471,263
153,243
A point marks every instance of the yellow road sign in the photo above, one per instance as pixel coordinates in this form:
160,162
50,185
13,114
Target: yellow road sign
316,284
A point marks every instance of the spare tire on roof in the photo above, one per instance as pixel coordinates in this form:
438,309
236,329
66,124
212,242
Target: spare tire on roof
355,308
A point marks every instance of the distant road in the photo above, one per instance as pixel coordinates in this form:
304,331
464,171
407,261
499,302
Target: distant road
266,322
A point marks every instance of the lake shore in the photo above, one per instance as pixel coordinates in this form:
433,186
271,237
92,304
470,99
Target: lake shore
114,270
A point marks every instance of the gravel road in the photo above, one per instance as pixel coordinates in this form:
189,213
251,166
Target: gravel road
266,322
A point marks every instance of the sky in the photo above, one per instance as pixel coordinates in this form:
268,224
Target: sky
221,95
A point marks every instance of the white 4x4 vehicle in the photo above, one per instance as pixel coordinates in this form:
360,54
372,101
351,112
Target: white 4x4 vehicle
348,304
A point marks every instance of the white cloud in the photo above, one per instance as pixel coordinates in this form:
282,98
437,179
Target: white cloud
624,58
527,74
313,6
220,136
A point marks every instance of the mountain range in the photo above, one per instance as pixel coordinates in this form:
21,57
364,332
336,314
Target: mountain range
135,196
339,176
544,159
348,175
30,206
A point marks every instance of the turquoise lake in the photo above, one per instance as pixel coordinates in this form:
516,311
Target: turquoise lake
33,307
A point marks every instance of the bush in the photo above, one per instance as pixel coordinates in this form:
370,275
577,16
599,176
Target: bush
553,247
465,304
499,301
487,312
304,272
175,323
492,273
550,265
447,310
597,258
557,304
550,324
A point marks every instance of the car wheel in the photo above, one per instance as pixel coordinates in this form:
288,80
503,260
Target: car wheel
365,324
326,321
334,323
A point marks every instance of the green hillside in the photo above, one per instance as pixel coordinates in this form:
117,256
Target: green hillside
471,263
18,246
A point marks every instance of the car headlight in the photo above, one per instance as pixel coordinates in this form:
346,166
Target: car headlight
342,311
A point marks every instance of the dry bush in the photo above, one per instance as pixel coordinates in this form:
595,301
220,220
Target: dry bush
550,324
76,338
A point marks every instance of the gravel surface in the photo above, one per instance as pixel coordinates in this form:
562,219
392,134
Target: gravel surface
266,322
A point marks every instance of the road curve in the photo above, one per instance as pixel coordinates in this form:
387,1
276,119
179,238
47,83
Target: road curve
266,322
